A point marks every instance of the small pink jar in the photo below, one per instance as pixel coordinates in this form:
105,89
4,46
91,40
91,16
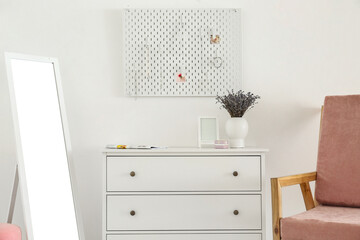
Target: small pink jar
221,144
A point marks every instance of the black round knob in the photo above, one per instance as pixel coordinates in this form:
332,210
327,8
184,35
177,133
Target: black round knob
236,212
132,213
235,173
132,173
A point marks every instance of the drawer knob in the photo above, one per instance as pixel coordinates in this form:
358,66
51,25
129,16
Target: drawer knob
132,173
236,212
235,173
132,213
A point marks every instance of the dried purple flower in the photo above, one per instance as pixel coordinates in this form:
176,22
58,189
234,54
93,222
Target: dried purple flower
237,103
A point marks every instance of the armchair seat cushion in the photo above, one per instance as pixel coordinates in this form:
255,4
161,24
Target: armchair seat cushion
9,232
322,223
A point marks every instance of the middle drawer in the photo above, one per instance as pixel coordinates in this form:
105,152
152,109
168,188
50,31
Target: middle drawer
225,173
183,212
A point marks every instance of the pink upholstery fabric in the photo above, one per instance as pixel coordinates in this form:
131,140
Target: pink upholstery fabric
338,166
9,232
322,223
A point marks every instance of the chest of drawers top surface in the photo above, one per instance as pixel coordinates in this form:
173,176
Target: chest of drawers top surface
186,151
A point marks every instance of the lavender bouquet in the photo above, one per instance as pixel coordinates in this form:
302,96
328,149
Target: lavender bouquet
237,103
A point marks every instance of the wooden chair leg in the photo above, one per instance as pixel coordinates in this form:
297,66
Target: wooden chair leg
276,207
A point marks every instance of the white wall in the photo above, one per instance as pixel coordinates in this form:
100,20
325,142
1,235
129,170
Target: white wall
295,53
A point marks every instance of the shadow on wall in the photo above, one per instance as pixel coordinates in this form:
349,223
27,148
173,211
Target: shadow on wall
288,124
114,20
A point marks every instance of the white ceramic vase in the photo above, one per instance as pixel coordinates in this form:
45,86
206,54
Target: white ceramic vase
236,129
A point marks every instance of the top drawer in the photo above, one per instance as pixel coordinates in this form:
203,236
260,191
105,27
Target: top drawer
183,174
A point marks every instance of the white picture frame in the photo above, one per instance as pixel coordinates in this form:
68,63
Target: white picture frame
208,131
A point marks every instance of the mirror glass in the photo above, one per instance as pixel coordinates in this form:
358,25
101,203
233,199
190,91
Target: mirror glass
41,146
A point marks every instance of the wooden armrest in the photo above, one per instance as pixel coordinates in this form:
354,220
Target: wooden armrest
276,185
296,179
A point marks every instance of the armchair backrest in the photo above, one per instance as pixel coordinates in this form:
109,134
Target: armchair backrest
338,166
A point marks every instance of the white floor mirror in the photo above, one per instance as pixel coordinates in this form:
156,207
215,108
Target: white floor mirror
44,159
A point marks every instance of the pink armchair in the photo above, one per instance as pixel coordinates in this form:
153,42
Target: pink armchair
9,232
334,214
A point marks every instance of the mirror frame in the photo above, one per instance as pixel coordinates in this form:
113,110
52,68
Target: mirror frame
19,154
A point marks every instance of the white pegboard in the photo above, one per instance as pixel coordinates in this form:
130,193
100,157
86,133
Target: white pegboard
159,44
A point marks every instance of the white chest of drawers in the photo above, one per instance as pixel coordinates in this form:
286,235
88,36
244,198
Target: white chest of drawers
184,193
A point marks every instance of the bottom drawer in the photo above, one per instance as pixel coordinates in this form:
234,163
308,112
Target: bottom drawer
255,236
